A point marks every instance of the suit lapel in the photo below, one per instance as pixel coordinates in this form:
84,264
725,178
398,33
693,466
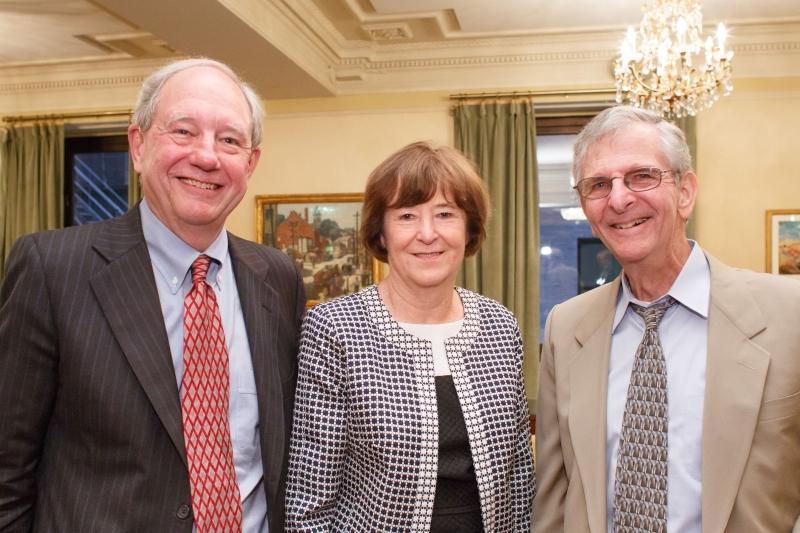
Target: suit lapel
588,388
258,300
735,375
126,291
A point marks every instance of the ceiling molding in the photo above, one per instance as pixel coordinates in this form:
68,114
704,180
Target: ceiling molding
388,31
444,19
294,49
94,83
766,48
476,61
262,40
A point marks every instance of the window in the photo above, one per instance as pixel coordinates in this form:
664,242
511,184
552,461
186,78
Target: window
96,178
562,225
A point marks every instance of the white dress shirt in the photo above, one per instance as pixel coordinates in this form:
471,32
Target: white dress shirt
683,332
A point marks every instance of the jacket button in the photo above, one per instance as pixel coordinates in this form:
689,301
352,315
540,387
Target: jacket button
184,511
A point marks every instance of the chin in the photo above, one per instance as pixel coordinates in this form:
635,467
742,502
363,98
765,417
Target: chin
630,254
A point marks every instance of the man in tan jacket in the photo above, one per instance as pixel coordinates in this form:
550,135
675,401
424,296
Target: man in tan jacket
691,424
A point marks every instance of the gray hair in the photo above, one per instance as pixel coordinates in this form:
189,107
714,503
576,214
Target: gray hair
614,119
149,95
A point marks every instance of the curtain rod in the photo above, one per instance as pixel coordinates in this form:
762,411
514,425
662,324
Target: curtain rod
515,94
62,116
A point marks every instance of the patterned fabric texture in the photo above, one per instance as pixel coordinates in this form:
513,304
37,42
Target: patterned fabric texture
640,489
364,445
204,407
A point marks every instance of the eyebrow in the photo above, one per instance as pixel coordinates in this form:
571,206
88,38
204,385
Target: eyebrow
228,127
631,169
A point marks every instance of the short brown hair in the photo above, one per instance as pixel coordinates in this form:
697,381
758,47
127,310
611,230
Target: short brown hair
411,176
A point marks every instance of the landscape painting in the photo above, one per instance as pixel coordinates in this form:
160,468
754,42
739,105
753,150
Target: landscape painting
321,235
783,242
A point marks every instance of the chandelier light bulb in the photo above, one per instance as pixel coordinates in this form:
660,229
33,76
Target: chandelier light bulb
668,66
722,35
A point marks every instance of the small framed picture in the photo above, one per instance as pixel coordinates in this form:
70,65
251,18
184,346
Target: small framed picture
320,232
783,242
596,265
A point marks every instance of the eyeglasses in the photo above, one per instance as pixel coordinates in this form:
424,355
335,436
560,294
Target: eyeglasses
637,180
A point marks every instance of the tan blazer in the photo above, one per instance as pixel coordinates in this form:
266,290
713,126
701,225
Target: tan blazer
751,421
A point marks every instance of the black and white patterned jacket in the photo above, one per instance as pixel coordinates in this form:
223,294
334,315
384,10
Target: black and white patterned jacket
364,446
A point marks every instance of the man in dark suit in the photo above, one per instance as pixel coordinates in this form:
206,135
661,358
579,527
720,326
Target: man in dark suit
93,363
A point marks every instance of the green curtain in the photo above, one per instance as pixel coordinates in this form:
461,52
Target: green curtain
134,186
31,182
689,127
501,139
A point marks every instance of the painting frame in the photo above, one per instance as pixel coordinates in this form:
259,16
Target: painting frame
596,265
294,224
783,242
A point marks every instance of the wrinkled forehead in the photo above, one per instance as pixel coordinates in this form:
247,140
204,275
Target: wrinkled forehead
202,92
635,145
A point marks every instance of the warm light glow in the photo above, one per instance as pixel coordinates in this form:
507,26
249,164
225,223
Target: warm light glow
668,66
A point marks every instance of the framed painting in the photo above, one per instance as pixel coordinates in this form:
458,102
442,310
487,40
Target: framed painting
320,232
783,242
596,265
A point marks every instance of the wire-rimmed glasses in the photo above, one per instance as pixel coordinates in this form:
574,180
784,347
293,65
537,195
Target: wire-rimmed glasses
637,180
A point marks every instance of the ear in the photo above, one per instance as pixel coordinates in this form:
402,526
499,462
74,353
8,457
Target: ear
135,142
252,161
687,194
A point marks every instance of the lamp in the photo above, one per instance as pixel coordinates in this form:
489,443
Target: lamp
668,67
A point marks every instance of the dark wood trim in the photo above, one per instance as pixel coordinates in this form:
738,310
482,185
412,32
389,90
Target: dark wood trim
561,125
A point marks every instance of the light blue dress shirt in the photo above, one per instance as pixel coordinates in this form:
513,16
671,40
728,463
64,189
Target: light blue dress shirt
172,259
683,332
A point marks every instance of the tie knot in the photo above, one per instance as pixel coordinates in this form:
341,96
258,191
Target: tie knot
200,268
652,315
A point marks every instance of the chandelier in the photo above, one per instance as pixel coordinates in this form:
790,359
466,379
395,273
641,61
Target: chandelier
668,67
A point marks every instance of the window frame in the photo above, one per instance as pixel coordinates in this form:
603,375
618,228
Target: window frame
105,142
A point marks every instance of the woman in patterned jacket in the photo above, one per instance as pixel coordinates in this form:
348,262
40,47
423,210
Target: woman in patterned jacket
410,414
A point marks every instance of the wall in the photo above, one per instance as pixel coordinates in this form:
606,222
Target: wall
315,146
748,162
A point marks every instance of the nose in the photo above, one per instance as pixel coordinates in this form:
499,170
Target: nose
426,232
204,153
621,197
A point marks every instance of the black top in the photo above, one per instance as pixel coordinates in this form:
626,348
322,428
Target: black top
456,506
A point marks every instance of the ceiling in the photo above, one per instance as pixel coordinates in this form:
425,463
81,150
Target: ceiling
307,48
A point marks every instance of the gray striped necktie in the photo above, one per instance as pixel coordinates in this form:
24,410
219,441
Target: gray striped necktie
640,488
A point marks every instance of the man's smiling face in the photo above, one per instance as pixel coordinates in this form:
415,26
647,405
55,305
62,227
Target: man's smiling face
195,160
635,226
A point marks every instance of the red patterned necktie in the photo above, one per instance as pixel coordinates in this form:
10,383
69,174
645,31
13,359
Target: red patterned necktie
206,430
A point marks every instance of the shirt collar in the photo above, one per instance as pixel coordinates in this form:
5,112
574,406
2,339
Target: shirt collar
692,287
172,257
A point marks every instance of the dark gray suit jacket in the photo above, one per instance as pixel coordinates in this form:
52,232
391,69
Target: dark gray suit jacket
90,418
